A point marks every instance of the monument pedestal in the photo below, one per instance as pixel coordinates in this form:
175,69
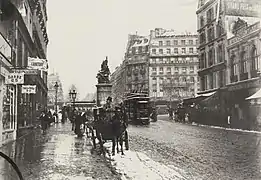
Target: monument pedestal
103,92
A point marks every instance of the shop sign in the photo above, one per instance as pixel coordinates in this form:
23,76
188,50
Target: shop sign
246,8
38,64
25,71
245,85
28,89
14,78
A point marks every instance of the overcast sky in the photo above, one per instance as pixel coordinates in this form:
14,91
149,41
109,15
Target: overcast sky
81,34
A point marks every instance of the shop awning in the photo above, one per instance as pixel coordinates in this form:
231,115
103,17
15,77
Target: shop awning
211,100
206,94
257,95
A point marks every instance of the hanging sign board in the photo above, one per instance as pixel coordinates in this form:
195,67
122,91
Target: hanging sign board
25,71
36,63
14,78
28,89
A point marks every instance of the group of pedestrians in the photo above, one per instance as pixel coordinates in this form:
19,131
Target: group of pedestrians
178,114
78,119
46,119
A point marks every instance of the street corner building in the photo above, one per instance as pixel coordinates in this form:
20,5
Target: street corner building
23,65
229,58
163,65
173,66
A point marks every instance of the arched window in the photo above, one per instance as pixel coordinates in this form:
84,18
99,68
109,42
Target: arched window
254,58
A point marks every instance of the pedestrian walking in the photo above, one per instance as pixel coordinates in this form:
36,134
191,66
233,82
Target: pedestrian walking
44,121
72,119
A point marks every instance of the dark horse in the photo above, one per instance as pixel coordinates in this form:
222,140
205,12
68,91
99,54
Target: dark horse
111,126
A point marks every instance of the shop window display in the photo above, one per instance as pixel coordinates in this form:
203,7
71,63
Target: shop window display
8,108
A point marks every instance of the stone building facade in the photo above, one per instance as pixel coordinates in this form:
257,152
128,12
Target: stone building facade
118,78
136,63
244,52
23,34
173,65
217,24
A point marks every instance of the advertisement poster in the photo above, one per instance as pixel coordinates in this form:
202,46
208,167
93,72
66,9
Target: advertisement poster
36,63
245,8
231,20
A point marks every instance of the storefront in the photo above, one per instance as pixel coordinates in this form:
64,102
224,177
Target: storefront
8,110
243,113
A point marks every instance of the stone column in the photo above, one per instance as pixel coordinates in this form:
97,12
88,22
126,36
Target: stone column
103,92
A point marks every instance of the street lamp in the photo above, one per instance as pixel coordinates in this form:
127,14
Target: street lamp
72,95
56,93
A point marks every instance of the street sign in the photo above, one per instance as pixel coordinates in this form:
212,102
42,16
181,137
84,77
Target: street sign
25,71
14,78
36,63
28,89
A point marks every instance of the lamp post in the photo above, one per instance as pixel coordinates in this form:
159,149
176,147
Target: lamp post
56,94
72,95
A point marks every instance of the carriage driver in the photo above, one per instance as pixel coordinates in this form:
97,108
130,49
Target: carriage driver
108,104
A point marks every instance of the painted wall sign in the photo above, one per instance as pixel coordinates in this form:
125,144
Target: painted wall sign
246,8
28,89
14,78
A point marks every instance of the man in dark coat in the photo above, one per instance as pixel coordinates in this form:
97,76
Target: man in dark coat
44,121
78,121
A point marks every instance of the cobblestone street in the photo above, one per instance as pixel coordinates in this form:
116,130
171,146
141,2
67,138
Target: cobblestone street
58,155
200,152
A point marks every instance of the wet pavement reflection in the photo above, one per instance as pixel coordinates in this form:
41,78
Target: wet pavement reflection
59,154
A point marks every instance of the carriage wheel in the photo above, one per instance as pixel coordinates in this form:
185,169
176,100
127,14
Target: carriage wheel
93,139
126,140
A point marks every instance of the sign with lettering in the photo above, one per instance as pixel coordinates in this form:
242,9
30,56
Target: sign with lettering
25,71
246,8
36,63
14,78
28,89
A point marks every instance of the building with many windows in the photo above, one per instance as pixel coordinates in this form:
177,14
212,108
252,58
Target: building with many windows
23,35
136,63
244,51
118,78
218,22
173,65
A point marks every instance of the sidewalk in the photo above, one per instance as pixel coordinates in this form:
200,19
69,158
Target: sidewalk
57,155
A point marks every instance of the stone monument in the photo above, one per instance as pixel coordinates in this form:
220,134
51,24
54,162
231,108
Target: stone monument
104,87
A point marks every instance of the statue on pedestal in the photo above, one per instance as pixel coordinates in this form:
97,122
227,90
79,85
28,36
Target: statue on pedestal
103,74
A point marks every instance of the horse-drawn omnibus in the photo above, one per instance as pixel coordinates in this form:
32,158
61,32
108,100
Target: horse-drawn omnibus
138,108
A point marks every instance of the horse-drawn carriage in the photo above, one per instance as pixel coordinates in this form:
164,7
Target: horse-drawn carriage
109,125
